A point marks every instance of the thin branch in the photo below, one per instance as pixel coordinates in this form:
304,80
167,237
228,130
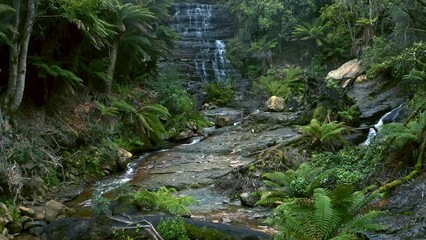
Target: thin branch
150,228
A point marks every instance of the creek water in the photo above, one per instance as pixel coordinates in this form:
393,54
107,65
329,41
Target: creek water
213,206
390,116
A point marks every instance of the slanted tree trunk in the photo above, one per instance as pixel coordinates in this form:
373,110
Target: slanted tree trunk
112,64
23,53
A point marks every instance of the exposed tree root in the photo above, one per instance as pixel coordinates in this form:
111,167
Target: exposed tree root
147,226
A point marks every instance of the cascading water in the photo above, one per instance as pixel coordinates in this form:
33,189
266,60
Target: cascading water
201,51
388,117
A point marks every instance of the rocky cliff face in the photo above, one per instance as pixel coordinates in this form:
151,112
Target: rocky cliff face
200,54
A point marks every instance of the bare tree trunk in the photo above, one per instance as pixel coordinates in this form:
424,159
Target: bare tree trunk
111,67
13,55
23,53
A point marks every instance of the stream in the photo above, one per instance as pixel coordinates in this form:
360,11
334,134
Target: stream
164,168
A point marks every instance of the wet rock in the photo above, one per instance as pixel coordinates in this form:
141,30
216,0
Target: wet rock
375,98
124,157
407,208
223,121
33,224
186,134
275,104
276,118
66,228
247,199
233,114
55,210
14,227
66,192
226,220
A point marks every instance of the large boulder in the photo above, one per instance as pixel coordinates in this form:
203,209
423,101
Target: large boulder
349,70
275,104
124,157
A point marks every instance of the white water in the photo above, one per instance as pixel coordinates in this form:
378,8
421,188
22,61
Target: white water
194,22
372,133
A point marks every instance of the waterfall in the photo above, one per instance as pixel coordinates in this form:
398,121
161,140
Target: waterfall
201,50
388,117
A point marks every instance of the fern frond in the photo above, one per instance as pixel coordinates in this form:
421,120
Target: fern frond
278,179
365,222
123,106
324,216
106,111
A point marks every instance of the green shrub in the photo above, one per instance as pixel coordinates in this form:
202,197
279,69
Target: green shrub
385,57
283,83
323,134
172,229
172,94
51,177
219,93
354,165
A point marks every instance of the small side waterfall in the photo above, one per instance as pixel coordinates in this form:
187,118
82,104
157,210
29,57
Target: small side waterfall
387,118
201,51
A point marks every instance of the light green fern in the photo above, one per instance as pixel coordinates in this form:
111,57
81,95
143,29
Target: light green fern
336,214
289,184
164,199
323,134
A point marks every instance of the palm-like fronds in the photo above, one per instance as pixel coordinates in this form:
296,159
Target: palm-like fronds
105,110
313,30
149,119
299,183
67,81
282,82
164,199
5,26
324,133
399,134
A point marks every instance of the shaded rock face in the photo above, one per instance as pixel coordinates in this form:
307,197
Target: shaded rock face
407,207
200,53
374,98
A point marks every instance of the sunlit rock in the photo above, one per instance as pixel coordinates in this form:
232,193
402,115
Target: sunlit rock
275,104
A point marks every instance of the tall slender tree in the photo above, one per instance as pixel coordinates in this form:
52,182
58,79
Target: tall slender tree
20,33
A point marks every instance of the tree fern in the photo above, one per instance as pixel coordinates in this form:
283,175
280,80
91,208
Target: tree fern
148,118
299,183
401,134
324,134
281,82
